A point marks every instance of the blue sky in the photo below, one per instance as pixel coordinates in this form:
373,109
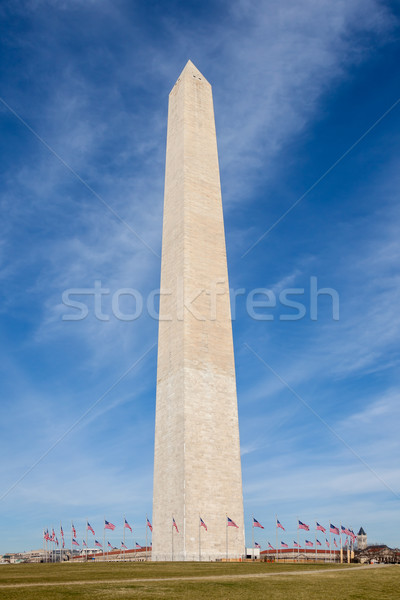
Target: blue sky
295,86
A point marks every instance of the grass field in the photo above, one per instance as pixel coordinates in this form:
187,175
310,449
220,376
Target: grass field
198,581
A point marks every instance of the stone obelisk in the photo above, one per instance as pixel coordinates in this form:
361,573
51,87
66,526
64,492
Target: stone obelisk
197,469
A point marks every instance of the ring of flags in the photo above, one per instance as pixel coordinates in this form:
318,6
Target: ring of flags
337,531
350,535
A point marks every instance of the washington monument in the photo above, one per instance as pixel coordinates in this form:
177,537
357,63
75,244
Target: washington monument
197,470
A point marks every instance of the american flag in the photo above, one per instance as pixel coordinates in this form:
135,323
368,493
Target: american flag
108,525
73,530
318,543
296,545
62,531
90,528
278,524
53,536
96,543
257,545
320,528
63,543
284,545
257,524
175,525
202,524
126,524
269,546
138,546
303,526
56,541
308,543
123,546
109,545
327,542
74,542
333,529
334,541
84,543
231,523
345,530
149,525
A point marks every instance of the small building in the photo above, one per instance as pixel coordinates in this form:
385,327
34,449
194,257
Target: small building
253,553
378,553
302,555
130,555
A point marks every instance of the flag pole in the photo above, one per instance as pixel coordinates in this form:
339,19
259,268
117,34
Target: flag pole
172,537
252,536
104,540
199,539
146,537
351,544
276,545
226,536
72,548
315,541
330,543
123,552
87,521
298,541
341,545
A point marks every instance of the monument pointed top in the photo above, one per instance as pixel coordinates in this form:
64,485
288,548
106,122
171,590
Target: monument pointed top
190,70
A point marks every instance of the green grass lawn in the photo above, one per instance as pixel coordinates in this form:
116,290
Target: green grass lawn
109,581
